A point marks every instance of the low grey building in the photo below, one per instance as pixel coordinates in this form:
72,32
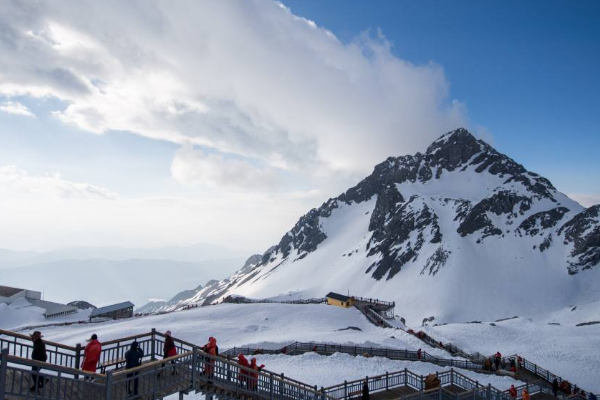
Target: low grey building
54,309
9,294
115,311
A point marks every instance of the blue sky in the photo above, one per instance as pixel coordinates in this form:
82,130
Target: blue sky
223,122
527,71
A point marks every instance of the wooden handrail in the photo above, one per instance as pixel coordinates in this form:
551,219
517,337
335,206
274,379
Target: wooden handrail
153,363
52,367
27,337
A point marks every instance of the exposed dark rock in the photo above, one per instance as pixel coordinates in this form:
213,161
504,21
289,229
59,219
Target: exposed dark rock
583,232
541,221
82,305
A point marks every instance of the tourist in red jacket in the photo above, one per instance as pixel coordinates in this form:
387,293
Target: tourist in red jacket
91,354
512,391
253,382
243,375
210,348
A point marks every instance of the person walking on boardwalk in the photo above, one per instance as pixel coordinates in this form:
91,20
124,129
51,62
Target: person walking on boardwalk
253,382
91,354
555,387
592,396
38,354
212,349
419,354
169,350
243,374
133,358
497,360
526,395
365,390
512,391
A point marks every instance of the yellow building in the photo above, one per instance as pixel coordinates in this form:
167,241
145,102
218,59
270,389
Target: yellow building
339,300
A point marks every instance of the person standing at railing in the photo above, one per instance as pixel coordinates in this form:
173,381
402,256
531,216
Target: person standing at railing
497,360
365,391
169,350
133,358
253,383
38,354
91,354
555,387
212,349
243,374
526,395
592,396
512,392
419,353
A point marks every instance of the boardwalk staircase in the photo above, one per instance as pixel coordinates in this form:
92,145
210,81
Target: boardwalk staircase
193,371
378,312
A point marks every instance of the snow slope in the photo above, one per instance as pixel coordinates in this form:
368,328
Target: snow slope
459,233
552,340
261,325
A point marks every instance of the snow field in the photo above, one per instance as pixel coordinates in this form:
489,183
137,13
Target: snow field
572,352
267,326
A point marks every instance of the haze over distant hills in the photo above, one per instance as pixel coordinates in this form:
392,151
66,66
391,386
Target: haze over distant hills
194,253
105,275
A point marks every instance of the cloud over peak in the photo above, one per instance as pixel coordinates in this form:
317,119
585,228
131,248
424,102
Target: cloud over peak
242,78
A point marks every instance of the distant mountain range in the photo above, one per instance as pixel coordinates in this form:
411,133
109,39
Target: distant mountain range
458,233
194,253
103,282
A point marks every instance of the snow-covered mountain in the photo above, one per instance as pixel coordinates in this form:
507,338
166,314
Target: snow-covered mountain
460,232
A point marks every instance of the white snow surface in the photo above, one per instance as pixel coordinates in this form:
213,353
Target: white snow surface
570,351
257,325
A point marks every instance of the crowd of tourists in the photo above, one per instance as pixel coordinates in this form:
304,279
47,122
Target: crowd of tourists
248,374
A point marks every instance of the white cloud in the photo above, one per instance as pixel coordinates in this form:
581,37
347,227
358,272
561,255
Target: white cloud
245,80
16,108
18,182
586,200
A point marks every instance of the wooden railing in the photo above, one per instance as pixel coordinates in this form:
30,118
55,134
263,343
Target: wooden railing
193,369
297,348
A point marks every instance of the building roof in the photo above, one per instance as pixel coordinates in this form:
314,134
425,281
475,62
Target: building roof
53,308
7,291
107,309
337,296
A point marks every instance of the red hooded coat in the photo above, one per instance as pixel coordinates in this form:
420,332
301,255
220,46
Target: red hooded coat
91,356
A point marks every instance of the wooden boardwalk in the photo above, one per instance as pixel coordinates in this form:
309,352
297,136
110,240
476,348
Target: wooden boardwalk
391,394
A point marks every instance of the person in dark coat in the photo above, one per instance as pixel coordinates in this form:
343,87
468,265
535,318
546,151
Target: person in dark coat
133,358
555,387
169,350
497,360
38,354
419,354
365,390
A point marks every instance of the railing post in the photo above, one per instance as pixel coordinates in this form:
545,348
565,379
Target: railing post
281,388
387,381
109,380
77,358
475,390
153,344
271,385
345,389
489,391
195,366
3,372
451,376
